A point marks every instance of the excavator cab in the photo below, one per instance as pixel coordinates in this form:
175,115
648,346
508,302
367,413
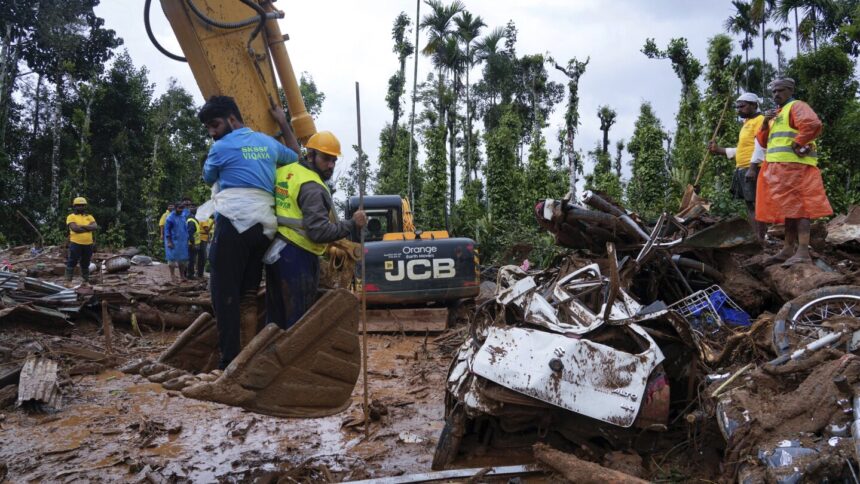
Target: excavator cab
384,216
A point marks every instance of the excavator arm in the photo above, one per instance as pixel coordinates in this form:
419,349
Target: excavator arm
235,48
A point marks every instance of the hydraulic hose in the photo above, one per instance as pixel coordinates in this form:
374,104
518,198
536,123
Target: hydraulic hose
234,25
146,6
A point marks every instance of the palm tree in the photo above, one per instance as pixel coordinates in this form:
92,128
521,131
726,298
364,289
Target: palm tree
779,36
443,50
742,23
468,29
760,11
816,14
490,46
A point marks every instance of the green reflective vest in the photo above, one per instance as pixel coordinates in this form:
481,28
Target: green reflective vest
782,136
196,229
288,181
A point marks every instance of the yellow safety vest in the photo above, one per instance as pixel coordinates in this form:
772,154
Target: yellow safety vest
196,230
288,181
782,136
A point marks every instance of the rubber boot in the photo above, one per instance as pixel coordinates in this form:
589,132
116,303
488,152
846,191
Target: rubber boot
85,274
70,272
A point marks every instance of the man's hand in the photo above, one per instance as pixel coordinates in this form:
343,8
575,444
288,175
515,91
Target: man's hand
800,150
360,219
713,148
93,226
752,172
769,114
279,115
169,244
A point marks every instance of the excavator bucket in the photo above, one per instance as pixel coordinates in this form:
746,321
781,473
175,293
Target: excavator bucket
308,370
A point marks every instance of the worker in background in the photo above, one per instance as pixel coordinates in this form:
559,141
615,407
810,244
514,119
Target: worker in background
163,220
242,162
202,252
746,167
186,200
306,224
193,241
790,188
176,242
81,227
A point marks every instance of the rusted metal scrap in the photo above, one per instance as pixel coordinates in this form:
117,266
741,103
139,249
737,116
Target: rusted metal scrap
38,383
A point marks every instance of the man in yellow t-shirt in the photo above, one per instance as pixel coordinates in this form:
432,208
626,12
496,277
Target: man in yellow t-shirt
81,227
748,157
202,249
163,220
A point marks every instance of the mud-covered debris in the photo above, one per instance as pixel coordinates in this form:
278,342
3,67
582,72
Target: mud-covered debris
38,385
577,470
377,410
845,228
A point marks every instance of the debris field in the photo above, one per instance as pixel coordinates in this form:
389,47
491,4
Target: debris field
660,351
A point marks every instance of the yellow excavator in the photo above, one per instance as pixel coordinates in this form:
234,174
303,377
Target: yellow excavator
236,48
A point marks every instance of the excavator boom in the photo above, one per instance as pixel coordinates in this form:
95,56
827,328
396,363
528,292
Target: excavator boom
235,48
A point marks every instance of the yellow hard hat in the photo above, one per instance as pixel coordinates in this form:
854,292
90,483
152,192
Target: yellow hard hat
79,201
326,142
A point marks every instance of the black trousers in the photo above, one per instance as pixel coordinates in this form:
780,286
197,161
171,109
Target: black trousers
192,258
80,254
201,257
236,268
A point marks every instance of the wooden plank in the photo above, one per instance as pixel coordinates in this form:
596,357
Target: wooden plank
413,320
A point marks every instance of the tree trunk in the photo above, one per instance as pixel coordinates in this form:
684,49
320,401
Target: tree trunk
796,33
606,141
468,170
83,142
571,156
118,184
8,61
814,31
452,156
763,39
412,121
55,149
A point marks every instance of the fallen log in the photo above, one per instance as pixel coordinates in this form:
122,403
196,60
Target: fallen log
151,317
577,470
182,301
8,395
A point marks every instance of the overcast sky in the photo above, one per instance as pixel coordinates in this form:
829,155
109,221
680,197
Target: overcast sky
340,41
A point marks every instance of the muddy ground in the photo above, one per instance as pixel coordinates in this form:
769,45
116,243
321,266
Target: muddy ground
113,425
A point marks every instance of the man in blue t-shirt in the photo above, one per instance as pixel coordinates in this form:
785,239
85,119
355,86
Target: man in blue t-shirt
242,161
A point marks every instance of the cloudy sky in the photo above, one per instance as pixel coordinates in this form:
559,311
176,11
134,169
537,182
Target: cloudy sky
341,41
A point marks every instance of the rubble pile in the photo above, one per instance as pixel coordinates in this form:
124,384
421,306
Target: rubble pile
585,355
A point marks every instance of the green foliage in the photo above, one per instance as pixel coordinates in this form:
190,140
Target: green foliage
311,95
432,202
647,190
602,179
357,178
113,237
504,176
393,167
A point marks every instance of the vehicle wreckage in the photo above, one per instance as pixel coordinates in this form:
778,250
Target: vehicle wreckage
574,356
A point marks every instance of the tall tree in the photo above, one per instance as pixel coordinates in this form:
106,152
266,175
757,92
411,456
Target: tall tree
619,149
689,135
504,176
468,29
741,22
397,83
647,188
69,40
779,36
574,71
607,118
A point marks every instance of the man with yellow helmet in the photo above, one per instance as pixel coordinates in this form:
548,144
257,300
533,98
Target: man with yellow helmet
306,224
81,227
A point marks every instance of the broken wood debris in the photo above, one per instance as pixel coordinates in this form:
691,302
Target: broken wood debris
37,385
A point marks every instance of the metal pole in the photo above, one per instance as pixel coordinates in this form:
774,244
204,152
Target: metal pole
363,266
411,193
